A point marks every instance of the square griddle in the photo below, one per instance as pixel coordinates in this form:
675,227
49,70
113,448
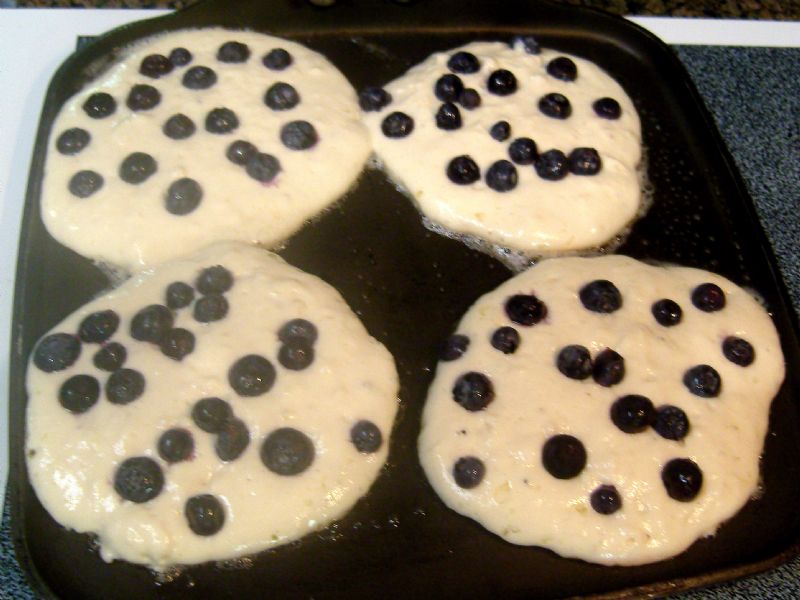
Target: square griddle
410,287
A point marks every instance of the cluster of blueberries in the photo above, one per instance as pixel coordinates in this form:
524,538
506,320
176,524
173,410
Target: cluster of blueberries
564,456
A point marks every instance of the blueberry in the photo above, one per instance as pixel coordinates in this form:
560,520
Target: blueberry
562,68
57,352
632,413
214,280
178,127
98,326
155,65
703,381
72,141
501,176
277,59
177,343
468,472
607,108
100,105
605,499
448,117
211,414
151,323
183,196
287,451
528,43
682,479
199,78
110,357
124,386
180,57
448,88
502,82
299,135
137,167
464,62
179,295
373,98
454,347
251,375
555,105
233,52
397,125
609,368
601,296
85,183
563,456
138,479
281,96
505,339
263,167
204,514
738,351
523,151
211,307
708,297
79,393
366,437
469,99
143,97
584,161
574,361
232,439
462,170
296,356
667,312
551,165
298,330
175,445
500,131
240,151
221,120
671,423
473,391
525,309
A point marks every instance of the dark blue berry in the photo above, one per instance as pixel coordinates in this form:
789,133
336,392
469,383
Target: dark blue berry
155,65
287,451
703,381
374,98
464,62
601,296
574,361
139,479
221,120
179,127
233,52
584,161
448,117
607,108
240,151
151,323
179,295
175,445
232,439
523,151
210,414
633,413
454,347
180,57
682,479
251,375
473,391
667,312
608,368
57,352
708,297
277,59
468,472
211,307
671,423
502,82
214,280
137,167
506,339
469,99
124,386
143,97
448,88
528,43
110,357
281,96
501,176
85,183
551,165
79,393
738,351
299,135
366,437
605,499
296,356
397,125
199,78
562,68
462,170
500,131
204,514
177,343
525,309
298,330
263,167
98,326
100,105
563,456
183,196
555,105
72,141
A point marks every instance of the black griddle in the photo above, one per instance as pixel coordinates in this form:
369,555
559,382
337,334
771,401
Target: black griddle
410,287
